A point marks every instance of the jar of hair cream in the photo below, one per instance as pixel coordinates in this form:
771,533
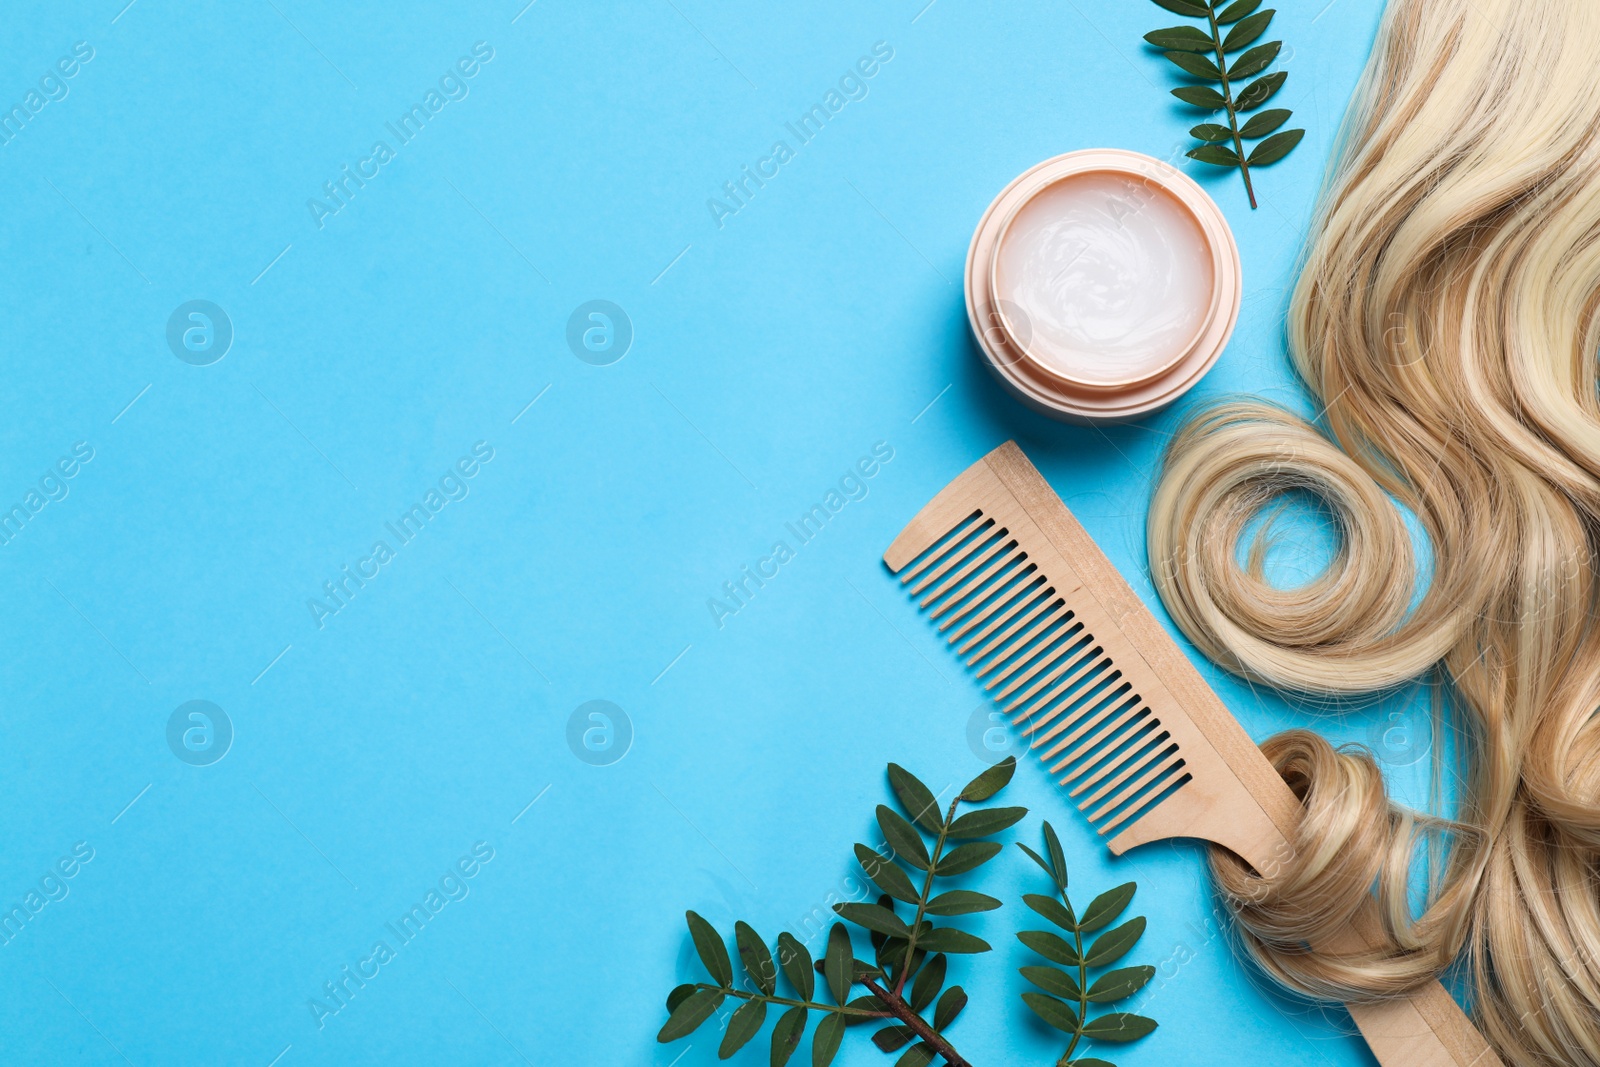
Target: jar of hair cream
1101,285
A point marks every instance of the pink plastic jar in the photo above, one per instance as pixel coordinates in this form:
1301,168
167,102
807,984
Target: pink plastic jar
1101,285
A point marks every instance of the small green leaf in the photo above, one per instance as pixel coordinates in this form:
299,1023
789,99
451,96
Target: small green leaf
1050,947
1201,96
874,917
1052,909
1040,860
678,995
1090,1061
880,940
1184,7
868,1003
1107,906
1054,981
1052,1011
1123,982
929,981
838,962
713,953
890,954
1114,942
886,875
918,958
966,858
786,1035
893,1038
825,1040
949,939
960,902
862,969
985,822
903,837
916,798
795,960
990,781
919,1055
756,959
744,1025
1212,133
1275,147
1118,1026
950,1005
1265,123
1259,91
1236,11
1181,39
1058,858
1254,61
1247,31
695,1009
1215,155
1199,66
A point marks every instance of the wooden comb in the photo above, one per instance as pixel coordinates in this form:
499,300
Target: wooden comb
1115,709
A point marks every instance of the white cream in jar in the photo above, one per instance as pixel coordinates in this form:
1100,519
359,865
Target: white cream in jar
1113,275
1101,285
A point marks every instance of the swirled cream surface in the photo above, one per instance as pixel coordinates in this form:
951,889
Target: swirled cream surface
1107,279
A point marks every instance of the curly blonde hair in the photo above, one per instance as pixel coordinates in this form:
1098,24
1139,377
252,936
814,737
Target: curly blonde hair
1445,323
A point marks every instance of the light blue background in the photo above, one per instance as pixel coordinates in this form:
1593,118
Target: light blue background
769,354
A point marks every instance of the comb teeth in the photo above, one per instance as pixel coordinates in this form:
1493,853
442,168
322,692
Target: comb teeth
1045,667
1114,709
1064,648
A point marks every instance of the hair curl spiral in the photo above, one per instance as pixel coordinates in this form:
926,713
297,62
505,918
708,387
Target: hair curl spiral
1445,321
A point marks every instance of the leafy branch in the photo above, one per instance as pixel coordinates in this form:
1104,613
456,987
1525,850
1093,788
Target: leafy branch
1064,1004
1205,55
914,953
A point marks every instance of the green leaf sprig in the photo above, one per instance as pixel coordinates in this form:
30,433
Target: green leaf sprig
1206,56
909,952
1068,993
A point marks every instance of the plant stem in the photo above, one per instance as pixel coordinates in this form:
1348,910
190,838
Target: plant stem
922,899
837,1009
914,1022
1227,99
1084,991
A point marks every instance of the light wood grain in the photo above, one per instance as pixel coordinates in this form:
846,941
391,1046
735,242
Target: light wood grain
1234,798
